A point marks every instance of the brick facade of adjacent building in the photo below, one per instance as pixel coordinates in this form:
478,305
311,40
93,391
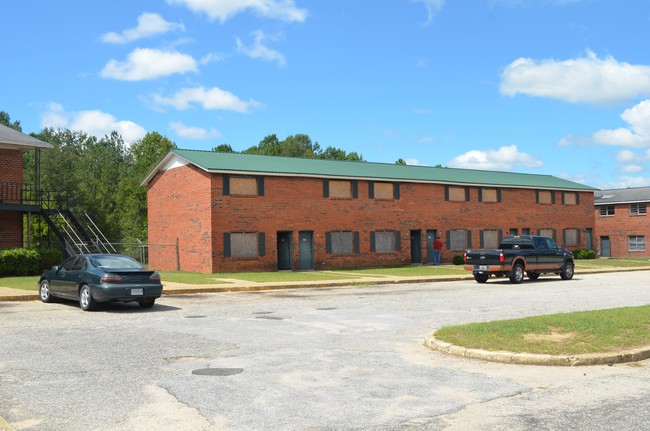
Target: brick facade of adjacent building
11,178
194,216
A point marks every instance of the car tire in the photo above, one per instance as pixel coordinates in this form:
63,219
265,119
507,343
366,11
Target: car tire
86,300
567,271
146,303
533,275
517,275
481,278
44,291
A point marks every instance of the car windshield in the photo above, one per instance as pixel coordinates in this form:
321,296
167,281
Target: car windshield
115,262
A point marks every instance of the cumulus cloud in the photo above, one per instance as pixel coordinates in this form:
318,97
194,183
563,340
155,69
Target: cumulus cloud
259,50
145,63
504,159
93,122
587,79
222,10
192,132
149,25
432,7
637,134
209,98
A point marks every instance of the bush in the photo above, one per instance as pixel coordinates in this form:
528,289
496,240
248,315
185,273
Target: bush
50,257
459,259
19,262
584,254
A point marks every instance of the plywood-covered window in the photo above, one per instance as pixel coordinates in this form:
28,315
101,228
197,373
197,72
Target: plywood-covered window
342,242
386,241
244,245
459,239
545,197
341,189
457,194
571,237
235,185
570,198
547,232
382,190
490,238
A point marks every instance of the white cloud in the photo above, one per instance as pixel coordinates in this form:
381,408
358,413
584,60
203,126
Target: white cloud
211,58
149,25
632,169
93,122
586,79
505,158
145,63
258,50
209,98
637,134
432,7
412,162
222,10
191,132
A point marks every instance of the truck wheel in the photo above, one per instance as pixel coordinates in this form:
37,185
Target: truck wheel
567,271
481,278
517,275
533,275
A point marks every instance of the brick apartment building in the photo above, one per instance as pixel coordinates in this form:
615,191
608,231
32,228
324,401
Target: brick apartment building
223,212
16,198
621,222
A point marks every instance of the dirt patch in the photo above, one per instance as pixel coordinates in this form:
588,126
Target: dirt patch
558,337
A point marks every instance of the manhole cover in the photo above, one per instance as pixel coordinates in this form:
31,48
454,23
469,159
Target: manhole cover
200,316
217,371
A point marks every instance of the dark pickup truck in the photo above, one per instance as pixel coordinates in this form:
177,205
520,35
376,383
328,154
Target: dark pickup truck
516,255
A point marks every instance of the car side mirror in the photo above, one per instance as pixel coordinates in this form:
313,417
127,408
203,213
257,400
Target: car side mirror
55,268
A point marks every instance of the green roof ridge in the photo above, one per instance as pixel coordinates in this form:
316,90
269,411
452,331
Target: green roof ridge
213,161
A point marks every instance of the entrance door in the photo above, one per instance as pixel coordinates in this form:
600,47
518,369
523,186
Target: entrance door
431,236
284,251
605,247
306,250
416,246
590,239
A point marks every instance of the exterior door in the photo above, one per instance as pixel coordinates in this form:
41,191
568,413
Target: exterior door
431,236
416,246
306,250
284,251
605,247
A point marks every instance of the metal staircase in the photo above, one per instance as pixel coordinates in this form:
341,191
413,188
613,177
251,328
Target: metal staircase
77,234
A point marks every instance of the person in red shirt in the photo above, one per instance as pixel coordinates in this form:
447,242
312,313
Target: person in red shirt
437,247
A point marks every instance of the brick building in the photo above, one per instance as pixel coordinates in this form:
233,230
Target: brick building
621,222
17,199
222,212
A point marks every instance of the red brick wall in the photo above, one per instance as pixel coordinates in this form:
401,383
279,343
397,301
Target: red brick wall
11,175
621,225
180,233
297,204
11,228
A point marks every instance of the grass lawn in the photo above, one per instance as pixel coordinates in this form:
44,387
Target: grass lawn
566,334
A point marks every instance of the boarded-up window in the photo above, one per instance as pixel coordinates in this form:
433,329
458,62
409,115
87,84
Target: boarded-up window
342,242
457,194
571,237
546,232
384,190
490,238
545,197
385,242
340,189
243,186
489,195
457,239
244,245
570,198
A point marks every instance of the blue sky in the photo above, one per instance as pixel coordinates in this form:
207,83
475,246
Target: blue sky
559,87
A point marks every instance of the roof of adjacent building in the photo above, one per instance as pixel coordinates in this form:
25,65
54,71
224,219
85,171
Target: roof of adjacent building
12,138
251,164
622,196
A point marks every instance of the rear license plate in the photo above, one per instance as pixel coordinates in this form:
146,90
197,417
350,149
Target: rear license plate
482,267
137,291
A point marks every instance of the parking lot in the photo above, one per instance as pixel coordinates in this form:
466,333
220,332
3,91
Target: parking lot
345,358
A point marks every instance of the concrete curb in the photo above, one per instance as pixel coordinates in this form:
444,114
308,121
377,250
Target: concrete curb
635,355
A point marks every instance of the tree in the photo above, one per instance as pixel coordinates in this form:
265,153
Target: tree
400,162
299,145
223,148
6,121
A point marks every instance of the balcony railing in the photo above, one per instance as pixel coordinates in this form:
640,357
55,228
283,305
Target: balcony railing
19,193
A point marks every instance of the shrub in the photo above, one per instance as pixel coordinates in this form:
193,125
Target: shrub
50,257
458,259
19,261
584,254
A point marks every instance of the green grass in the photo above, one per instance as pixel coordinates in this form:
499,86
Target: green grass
567,334
24,283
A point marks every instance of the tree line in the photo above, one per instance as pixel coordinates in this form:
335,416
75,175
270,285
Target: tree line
102,176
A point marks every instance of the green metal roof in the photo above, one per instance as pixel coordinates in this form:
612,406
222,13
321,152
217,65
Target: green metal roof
212,161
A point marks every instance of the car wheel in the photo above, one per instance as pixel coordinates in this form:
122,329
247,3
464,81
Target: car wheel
533,275
517,274
86,300
44,291
147,303
481,278
567,271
